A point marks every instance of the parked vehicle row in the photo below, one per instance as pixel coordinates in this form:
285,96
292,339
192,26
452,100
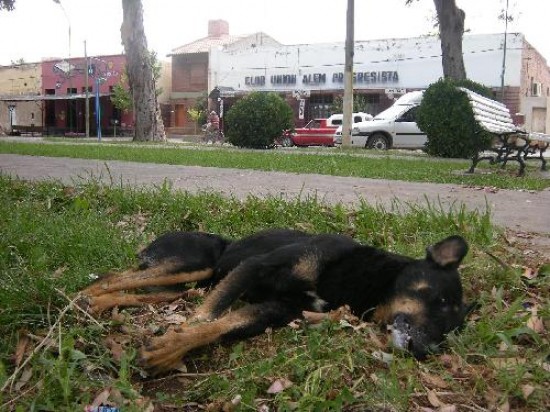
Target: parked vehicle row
319,132
395,127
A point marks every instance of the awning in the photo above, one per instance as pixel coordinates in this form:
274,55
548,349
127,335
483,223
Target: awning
31,98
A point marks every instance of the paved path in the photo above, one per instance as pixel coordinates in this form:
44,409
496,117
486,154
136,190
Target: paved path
518,210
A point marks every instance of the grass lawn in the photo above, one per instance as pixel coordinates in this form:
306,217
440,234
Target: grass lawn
53,357
394,165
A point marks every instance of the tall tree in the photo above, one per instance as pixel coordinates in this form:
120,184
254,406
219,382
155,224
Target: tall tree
451,29
148,125
7,4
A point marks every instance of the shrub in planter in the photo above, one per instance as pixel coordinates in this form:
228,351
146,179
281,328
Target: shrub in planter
446,116
257,120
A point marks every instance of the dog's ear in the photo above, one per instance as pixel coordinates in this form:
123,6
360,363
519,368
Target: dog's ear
448,253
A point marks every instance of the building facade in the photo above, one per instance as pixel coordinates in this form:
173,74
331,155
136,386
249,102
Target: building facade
51,95
310,76
18,81
191,68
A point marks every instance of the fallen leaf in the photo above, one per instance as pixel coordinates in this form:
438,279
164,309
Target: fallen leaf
529,273
384,357
434,400
314,317
24,379
116,349
527,390
101,398
22,344
295,324
504,406
434,381
535,324
59,271
279,385
373,338
175,318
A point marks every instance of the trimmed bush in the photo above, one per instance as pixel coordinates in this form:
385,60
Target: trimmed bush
446,116
257,120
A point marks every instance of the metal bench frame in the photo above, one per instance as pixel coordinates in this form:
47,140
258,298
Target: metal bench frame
512,143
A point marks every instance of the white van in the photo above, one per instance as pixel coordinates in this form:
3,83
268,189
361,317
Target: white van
337,119
394,127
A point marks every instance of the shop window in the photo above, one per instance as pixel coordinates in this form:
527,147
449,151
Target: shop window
319,106
372,103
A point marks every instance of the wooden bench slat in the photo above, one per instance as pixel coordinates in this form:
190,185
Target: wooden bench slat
514,143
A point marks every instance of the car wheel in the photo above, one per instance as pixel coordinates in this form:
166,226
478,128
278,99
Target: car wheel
378,141
287,142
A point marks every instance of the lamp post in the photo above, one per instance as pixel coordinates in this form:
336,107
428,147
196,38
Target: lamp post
69,118
68,22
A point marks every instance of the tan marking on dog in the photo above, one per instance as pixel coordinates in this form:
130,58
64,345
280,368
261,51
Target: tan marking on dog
306,268
422,284
401,304
165,352
103,302
135,279
382,314
205,311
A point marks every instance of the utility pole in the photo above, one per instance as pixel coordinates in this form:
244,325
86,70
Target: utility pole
504,54
87,103
348,77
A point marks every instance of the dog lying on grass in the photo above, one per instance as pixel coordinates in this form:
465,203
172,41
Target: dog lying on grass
280,273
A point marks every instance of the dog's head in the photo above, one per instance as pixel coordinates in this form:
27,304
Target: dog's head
427,303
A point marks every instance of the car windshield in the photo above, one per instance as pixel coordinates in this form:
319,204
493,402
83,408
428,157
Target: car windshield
313,124
391,113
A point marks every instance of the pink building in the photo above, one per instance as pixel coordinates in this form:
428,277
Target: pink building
64,84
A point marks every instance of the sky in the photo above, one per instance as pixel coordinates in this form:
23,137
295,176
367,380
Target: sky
40,28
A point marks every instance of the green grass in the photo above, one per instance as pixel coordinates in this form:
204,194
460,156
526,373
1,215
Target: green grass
53,238
337,162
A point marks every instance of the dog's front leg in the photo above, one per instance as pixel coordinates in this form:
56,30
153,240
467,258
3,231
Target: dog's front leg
231,288
165,352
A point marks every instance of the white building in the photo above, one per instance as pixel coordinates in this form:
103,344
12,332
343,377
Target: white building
383,68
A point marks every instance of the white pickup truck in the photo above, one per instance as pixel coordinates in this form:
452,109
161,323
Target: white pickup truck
394,127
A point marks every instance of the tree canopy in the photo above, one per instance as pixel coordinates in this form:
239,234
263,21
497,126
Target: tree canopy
7,4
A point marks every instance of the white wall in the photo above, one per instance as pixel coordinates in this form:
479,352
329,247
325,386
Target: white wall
413,63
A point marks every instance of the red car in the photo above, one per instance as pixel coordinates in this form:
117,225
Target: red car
316,133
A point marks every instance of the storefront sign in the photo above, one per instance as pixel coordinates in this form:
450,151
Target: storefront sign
375,77
283,79
369,77
254,80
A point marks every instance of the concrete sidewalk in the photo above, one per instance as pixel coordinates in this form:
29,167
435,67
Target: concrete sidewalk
517,210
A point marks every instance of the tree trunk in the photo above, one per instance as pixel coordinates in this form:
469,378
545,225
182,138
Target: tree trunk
148,124
451,29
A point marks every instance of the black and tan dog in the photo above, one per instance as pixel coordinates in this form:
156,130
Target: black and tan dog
281,273
177,258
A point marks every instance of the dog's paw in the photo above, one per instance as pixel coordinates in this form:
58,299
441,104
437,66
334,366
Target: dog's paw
164,353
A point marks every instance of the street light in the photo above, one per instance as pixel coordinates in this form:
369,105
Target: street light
69,118
68,22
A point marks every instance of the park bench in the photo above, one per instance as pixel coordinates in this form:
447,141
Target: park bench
511,142
19,130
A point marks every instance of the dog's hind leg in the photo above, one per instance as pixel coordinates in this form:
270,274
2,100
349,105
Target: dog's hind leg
161,275
106,292
101,303
165,352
